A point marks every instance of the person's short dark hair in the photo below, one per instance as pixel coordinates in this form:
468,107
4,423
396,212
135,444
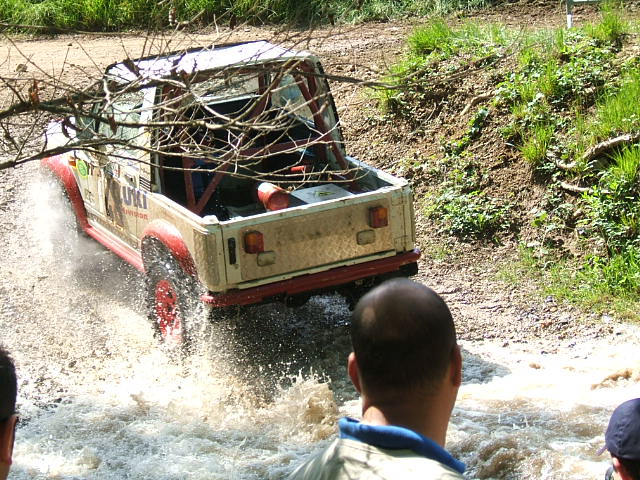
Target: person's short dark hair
8,385
403,336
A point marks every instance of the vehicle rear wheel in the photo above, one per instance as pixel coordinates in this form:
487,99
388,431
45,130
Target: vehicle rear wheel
172,304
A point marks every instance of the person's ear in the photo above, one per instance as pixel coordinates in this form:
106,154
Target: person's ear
621,472
456,366
7,437
354,372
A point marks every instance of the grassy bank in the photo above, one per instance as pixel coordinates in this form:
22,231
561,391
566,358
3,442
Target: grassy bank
111,15
562,109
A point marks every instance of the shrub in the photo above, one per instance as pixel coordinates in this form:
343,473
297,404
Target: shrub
614,204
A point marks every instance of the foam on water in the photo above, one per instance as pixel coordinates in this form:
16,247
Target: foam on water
539,415
100,399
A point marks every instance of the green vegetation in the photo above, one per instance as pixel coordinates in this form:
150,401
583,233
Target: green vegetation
462,206
568,101
597,283
110,15
435,51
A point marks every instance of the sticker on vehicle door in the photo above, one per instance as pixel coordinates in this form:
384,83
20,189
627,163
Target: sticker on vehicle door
83,168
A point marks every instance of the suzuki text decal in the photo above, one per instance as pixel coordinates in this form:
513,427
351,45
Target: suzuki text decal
134,198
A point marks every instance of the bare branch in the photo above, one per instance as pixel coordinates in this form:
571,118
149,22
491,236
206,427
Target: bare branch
607,145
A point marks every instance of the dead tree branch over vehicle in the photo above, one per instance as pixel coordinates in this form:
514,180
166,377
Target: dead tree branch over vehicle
222,174
187,124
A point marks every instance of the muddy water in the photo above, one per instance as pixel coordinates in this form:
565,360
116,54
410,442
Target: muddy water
99,400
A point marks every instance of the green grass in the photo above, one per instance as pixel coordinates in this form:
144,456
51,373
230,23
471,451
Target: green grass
109,15
84,14
603,286
437,36
618,112
569,90
611,27
411,79
614,211
535,146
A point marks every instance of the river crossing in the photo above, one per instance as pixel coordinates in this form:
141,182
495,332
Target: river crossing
99,400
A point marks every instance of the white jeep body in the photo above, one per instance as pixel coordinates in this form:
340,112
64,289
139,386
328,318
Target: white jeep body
346,225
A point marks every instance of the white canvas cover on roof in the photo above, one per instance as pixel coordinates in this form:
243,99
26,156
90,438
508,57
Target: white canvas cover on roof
211,58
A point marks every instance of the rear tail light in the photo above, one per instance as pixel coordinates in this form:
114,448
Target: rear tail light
378,217
72,161
253,242
272,196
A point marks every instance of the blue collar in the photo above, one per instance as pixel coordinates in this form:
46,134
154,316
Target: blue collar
396,438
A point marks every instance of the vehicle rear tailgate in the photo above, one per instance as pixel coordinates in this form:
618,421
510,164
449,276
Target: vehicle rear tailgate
305,238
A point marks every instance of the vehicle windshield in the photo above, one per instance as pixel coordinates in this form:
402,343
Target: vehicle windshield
284,91
223,86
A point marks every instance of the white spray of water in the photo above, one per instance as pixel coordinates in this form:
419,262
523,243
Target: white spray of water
526,414
100,400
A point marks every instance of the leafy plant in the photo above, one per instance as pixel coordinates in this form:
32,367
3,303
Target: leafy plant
462,207
614,203
471,214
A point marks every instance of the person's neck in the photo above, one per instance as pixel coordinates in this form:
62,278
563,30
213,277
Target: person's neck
414,416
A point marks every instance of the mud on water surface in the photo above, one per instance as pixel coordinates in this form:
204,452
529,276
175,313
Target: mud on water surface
99,399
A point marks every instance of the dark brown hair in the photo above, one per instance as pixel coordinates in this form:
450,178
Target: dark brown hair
403,336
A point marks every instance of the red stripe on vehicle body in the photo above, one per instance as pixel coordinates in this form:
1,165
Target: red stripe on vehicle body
59,165
315,281
169,236
118,247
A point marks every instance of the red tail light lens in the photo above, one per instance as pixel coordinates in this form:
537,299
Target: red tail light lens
253,242
378,217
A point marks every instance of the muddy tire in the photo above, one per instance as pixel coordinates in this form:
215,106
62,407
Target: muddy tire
172,304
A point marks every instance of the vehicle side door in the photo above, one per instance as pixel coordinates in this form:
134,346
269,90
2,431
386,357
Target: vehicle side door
124,201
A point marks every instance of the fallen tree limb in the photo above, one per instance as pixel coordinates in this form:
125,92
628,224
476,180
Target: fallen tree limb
607,145
566,166
569,187
574,188
475,100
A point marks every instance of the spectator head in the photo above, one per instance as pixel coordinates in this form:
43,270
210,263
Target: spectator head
622,439
404,341
8,418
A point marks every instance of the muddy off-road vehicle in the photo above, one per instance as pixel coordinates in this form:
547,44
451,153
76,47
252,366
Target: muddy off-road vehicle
221,174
